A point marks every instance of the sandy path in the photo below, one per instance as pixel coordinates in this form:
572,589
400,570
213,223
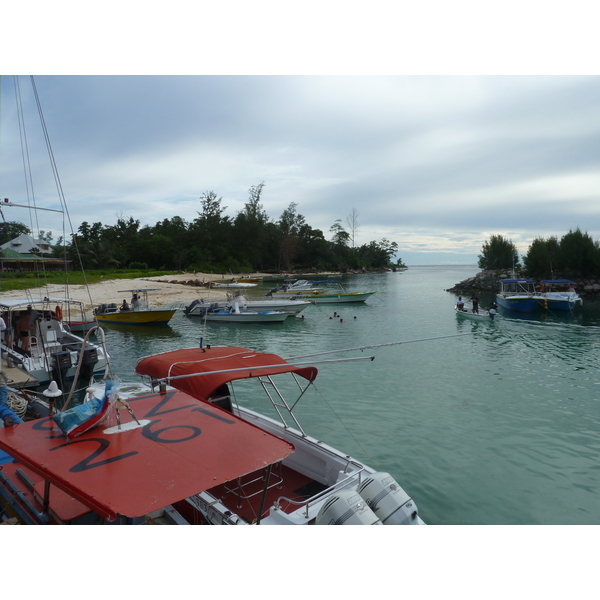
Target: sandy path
108,291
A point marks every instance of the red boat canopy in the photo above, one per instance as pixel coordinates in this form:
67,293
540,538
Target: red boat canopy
218,366
184,447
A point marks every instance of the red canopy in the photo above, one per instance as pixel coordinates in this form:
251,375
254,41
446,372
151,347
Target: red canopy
218,365
185,446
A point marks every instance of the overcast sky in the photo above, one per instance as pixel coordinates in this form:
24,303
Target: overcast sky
436,163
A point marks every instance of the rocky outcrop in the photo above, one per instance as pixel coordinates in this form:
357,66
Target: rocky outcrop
488,282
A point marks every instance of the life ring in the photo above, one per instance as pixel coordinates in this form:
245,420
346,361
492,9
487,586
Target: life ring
58,313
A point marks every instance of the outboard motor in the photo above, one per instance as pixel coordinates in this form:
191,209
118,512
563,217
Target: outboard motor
388,500
88,362
346,508
61,363
191,306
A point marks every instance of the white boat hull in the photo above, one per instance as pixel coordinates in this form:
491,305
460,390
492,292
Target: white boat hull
247,317
293,307
482,315
338,298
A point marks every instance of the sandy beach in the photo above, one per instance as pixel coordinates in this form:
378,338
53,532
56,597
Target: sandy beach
168,292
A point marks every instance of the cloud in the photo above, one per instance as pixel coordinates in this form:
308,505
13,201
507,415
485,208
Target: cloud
436,164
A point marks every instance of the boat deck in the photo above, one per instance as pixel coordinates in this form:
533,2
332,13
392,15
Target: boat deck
16,377
244,496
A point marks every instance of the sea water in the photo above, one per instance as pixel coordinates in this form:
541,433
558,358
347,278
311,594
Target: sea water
481,423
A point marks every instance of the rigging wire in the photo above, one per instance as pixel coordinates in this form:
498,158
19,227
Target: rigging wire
375,346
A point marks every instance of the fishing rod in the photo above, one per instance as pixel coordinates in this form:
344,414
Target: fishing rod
261,367
362,348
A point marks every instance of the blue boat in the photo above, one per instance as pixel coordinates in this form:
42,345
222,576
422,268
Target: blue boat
518,294
559,294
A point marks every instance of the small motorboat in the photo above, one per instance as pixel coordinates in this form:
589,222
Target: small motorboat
482,315
233,314
558,294
287,305
136,313
332,292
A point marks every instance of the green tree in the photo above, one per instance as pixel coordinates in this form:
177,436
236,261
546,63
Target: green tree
579,254
9,230
498,253
211,230
341,252
290,224
250,228
543,256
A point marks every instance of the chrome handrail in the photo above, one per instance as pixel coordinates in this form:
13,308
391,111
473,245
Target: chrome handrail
318,497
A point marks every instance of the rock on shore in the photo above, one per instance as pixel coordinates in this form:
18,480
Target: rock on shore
488,282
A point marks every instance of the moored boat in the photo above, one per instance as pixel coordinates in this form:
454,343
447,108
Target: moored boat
518,295
189,452
232,313
232,285
482,315
558,294
197,307
293,287
49,351
138,313
333,293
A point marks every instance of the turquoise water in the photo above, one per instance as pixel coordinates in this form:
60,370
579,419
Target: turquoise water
499,426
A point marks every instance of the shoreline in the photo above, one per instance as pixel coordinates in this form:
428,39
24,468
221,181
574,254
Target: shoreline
111,290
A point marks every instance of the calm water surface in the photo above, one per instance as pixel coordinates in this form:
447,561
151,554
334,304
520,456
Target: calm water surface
501,426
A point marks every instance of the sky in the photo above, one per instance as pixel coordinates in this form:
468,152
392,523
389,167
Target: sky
436,161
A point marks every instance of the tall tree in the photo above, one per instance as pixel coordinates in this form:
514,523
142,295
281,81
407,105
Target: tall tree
498,253
579,254
250,228
9,230
352,222
542,258
290,224
210,231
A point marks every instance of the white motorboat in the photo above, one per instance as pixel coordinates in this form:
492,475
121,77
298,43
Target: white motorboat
231,313
294,287
287,305
558,294
334,293
190,452
50,351
233,285
482,315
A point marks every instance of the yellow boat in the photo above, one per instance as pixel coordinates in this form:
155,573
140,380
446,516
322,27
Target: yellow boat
137,313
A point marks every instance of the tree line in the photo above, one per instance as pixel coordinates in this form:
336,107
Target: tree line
215,242
575,255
